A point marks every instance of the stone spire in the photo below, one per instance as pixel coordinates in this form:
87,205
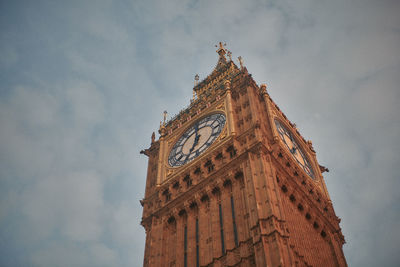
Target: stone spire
221,52
162,130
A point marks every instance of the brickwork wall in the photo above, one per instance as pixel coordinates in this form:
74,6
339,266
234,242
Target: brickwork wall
305,239
165,240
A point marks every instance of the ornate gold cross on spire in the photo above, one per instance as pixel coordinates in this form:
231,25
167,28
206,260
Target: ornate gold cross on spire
221,50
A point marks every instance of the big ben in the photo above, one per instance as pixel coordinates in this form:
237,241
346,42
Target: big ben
231,182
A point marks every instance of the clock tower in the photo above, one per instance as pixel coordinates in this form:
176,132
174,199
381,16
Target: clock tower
231,182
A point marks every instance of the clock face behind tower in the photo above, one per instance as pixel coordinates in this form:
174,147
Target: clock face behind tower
196,139
296,151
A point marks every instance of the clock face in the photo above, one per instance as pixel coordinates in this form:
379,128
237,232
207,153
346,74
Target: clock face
294,148
196,139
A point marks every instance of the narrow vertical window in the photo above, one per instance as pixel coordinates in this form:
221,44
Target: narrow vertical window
221,224
185,247
234,223
197,244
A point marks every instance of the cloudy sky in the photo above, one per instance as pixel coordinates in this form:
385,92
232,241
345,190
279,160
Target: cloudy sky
83,84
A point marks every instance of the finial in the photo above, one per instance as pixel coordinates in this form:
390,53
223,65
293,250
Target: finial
241,62
309,143
162,130
221,50
194,95
229,53
165,117
153,137
196,82
263,88
221,46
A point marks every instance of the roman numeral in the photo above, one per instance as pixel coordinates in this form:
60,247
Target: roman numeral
186,159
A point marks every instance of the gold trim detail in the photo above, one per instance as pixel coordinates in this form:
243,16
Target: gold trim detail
222,135
221,106
169,172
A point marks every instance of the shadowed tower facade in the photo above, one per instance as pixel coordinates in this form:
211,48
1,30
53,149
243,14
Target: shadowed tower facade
231,182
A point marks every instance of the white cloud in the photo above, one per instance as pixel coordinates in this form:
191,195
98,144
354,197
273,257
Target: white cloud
72,254
71,203
103,256
59,254
87,103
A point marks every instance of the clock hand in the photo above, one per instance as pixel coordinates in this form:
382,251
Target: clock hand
194,144
196,139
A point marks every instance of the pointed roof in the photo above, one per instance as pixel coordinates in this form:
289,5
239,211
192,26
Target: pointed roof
222,65
207,89
221,52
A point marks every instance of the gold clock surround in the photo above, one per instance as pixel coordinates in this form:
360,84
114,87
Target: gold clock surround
196,139
289,140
